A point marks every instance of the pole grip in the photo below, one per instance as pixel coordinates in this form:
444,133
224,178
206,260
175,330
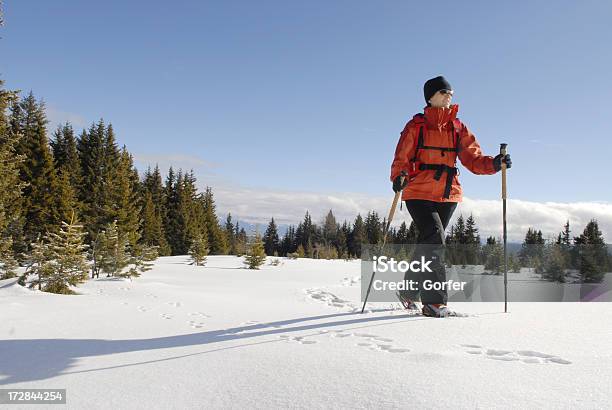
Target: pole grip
396,198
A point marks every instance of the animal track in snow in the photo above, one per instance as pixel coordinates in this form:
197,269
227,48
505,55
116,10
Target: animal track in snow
329,298
525,356
390,349
142,309
175,304
198,314
298,339
371,343
339,334
351,281
166,315
196,325
150,295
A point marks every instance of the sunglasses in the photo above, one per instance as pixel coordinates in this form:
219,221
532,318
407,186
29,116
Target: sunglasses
445,92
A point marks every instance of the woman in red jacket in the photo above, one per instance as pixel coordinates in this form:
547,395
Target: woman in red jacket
427,152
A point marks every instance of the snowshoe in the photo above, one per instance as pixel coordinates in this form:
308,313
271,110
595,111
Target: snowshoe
406,302
437,310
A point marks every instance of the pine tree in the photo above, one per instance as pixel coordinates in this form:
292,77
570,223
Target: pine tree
565,235
38,264
330,229
342,240
67,258
174,224
230,235
305,233
472,241
170,214
357,237
459,230
270,239
92,192
65,154
10,186
531,252
493,255
142,257
513,264
126,198
8,264
555,263
66,195
373,228
113,256
37,170
241,241
401,235
594,259
152,228
153,211
456,243
186,210
256,255
199,248
288,243
216,236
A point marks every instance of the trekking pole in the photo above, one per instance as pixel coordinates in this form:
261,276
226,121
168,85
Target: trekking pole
389,218
502,151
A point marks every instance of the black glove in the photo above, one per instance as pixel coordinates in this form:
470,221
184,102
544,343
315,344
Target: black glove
497,161
399,186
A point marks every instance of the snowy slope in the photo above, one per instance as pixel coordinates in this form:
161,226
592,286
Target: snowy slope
287,337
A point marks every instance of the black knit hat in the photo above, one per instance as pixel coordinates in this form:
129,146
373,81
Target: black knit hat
434,85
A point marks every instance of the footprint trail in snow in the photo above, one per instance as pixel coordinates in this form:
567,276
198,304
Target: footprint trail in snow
525,356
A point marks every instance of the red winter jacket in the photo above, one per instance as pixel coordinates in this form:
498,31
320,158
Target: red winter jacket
438,133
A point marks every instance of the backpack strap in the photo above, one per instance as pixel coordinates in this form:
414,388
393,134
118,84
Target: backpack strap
419,119
457,126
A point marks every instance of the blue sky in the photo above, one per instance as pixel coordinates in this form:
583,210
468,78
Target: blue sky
311,96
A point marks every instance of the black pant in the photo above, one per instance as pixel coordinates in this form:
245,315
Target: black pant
431,219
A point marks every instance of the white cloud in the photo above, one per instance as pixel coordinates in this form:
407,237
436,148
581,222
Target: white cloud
57,117
177,161
289,207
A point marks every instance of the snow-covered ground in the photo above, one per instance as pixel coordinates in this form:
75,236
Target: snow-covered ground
288,336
